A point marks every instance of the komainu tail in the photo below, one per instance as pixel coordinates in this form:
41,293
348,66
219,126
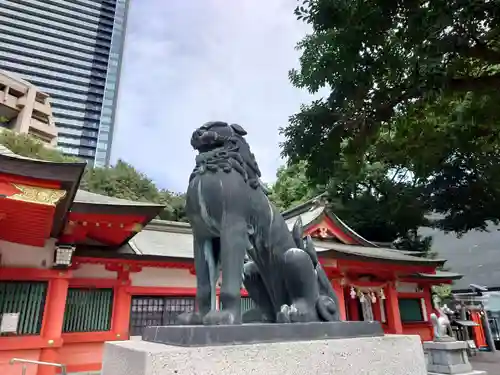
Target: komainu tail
327,304
302,243
297,232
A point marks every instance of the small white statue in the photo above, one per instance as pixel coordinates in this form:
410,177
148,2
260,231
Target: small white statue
441,323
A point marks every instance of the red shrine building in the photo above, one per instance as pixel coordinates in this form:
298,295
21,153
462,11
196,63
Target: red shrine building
78,269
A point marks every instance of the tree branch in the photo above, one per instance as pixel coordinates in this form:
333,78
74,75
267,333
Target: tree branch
474,83
480,52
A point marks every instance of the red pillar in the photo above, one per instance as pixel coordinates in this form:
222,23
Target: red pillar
429,308
53,319
428,304
339,291
393,316
121,307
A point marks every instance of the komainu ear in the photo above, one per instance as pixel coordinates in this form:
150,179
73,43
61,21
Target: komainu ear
211,124
238,129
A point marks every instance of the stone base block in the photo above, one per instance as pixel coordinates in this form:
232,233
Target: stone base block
448,358
387,355
259,333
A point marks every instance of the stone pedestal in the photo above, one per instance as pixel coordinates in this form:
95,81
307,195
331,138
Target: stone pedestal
373,354
259,333
448,357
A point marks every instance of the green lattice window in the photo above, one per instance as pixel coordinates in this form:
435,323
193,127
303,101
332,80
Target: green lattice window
88,310
246,304
411,310
27,299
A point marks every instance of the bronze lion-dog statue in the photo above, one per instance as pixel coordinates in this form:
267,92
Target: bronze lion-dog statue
238,231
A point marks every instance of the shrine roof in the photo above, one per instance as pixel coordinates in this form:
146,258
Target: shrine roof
67,174
127,252
439,275
83,196
122,220
7,152
314,211
330,249
174,240
87,202
79,202
17,165
164,238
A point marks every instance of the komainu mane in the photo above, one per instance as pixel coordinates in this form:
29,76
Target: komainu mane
232,152
237,229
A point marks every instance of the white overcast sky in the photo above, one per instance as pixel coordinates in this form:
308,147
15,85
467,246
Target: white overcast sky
191,61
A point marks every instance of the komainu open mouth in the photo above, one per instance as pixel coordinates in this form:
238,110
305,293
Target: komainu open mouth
207,141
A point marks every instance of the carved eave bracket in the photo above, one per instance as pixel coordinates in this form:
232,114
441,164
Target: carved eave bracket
37,195
123,268
323,233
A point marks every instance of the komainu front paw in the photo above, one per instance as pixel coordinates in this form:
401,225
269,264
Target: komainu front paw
284,315
297,313
224,317
189,319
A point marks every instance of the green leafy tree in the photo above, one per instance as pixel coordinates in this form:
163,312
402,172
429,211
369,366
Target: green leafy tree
413,85
124,181
175,206
27,146
380,206
292,187
453,154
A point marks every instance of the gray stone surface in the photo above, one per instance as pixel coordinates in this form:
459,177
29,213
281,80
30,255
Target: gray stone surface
448,358
445,345
387,355
259,333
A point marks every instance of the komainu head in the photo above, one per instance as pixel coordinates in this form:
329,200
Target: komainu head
215,134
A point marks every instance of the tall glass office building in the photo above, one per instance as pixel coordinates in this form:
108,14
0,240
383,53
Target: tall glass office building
72,50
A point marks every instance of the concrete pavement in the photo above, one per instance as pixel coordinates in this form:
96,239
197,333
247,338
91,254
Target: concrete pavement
486,361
